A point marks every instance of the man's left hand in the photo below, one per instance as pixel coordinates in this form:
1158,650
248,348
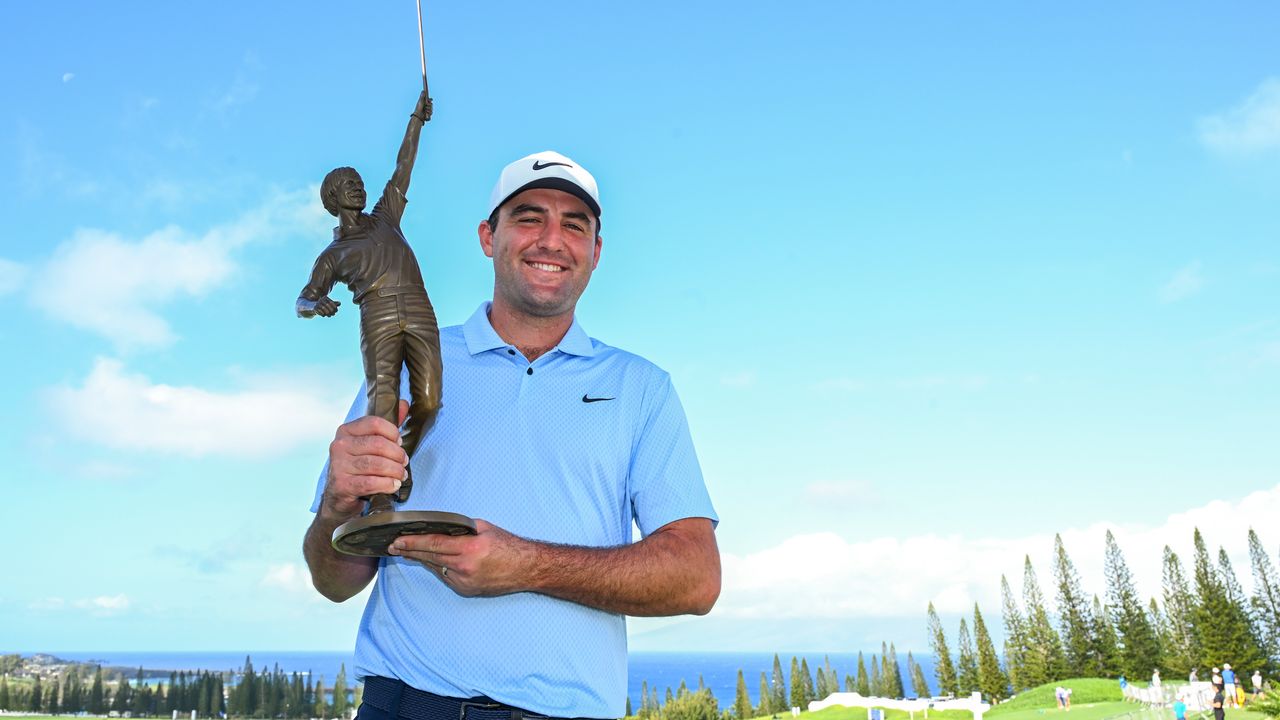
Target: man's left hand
489,563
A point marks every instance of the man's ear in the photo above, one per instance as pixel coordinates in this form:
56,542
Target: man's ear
486,238
595,261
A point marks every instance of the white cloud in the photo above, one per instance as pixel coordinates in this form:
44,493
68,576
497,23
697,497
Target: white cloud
1251,126
66,77
1184,283
291,577
113,286
127,410
104,604
100,606
12,275
826,575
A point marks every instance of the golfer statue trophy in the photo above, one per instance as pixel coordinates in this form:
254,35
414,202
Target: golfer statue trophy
397,328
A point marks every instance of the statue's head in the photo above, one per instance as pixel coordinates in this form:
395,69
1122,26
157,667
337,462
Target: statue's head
342,189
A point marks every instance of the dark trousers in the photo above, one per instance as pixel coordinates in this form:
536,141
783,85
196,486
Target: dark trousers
387,699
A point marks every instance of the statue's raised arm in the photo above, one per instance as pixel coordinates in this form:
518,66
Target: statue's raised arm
409,148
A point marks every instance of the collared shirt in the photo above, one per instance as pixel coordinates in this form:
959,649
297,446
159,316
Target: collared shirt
570,449
368,257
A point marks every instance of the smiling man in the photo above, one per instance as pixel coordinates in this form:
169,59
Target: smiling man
556,443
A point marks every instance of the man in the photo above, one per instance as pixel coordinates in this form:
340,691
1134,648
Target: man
397,323
1229,684
1218,712
1256,679
1179,708
555,443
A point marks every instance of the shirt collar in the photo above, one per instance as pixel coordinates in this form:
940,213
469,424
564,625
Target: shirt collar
481,337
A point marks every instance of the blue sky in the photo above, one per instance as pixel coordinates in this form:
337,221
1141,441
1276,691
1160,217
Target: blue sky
934,281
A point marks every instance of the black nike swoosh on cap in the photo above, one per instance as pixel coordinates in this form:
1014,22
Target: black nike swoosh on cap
543,166
586,399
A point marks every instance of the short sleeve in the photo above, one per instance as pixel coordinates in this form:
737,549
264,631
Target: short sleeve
665,481
391,205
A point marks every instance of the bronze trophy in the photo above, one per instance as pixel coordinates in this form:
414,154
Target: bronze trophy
397,328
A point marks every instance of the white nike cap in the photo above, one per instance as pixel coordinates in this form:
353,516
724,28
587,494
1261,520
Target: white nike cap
546,169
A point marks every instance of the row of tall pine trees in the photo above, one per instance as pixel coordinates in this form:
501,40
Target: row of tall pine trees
1200,620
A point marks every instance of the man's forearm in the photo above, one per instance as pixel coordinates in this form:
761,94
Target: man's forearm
674,571
337,576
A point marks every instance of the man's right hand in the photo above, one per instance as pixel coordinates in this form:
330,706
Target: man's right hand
326,307
365,458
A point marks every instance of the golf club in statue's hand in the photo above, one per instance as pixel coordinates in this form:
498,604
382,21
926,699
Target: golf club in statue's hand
397,330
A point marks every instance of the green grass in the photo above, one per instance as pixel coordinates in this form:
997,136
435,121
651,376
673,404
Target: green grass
860,713
1084,691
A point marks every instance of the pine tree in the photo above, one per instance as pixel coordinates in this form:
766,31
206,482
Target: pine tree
35,701
340,692
877,681
1181,648
1266,595
919,685
628,712
897,688
797,684
764,708
820,683
1044,661
5,697
96,702
1015,638
1104,647
741,700
778,698
72,693
967,670
807,679
203,689
322,703
1247,635
833,679
1137,639
171,702
51,704
1074,616
1222,624
862,683
645,708
1159,626
943,670
991,679
120,701
141,697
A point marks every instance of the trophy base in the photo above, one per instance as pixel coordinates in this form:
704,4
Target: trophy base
372,534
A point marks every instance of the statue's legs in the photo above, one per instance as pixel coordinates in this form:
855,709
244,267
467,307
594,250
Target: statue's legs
383,355
421,342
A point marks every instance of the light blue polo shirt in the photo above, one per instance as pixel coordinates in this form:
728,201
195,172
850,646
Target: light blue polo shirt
520,445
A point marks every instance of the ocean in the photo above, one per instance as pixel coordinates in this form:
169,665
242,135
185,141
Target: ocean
661,670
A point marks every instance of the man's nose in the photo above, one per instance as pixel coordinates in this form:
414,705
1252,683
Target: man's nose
552,236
